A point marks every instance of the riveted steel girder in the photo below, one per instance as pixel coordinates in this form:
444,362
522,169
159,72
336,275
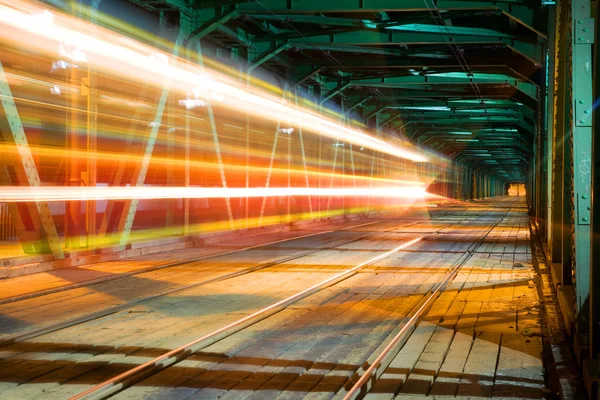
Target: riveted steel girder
354,39
516,10
582,38
34,223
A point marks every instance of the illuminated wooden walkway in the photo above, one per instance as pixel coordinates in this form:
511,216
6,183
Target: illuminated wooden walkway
480,339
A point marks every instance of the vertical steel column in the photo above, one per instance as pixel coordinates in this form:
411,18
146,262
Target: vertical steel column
559,232
303,153
551,79
594,325
92,116
247,169
170,157
215,137
582,37
33,221
130,207
73,225
186,176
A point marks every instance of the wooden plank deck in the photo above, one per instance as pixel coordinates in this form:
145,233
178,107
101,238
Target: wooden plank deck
481,338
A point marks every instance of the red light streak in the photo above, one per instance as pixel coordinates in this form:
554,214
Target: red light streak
34,29
15,194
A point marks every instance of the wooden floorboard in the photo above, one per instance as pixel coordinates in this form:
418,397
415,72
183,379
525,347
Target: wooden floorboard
480,339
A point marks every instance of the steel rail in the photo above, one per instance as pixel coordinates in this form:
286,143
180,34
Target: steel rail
97,281
260,266
112,310
120,382
387,355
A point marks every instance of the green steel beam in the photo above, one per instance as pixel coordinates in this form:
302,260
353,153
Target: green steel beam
238,35
385,39
180,6
407,23
444,78
266,56
448,79
466,120
359,103
199,4
374,113
139,175
594,299
335,91
220,18
311,75
518,11
33,221
391,119
582,38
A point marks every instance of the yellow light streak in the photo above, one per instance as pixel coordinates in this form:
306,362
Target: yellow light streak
6,150
18,194
108,51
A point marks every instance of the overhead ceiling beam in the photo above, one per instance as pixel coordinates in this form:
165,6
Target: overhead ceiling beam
310,75
515,9
275,49
378,39
212,24
359,103
199,4
335,91
374,113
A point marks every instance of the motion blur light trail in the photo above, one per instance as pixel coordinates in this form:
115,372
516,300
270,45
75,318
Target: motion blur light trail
45,193
63,37
58,155
133,143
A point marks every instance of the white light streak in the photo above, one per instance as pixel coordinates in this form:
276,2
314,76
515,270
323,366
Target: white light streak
18,194
108,51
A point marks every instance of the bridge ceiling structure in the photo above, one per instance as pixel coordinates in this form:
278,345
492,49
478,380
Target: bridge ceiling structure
461,77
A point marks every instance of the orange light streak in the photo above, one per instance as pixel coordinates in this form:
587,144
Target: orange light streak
113,158
17,194
76,41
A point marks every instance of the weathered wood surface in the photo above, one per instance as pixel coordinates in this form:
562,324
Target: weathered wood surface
480,338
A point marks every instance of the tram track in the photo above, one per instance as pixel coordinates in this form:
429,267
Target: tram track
258,267
96,281
380,360
129,378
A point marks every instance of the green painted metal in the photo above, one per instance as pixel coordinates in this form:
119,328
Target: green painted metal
582,38
594,299
359,103
386,56
129,209
199,4
335,91
506,7
275,49
395,38
220,17
43,237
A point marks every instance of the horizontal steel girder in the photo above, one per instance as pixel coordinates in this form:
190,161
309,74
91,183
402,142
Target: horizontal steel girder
514,9
400,82
531,51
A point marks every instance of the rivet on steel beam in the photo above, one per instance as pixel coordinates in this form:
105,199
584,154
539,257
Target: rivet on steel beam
580,21
581,39
586,112
585,218
581,121
584,196
589,208
581,101
586,30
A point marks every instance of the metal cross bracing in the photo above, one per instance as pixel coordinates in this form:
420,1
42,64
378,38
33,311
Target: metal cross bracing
408,58
465,79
